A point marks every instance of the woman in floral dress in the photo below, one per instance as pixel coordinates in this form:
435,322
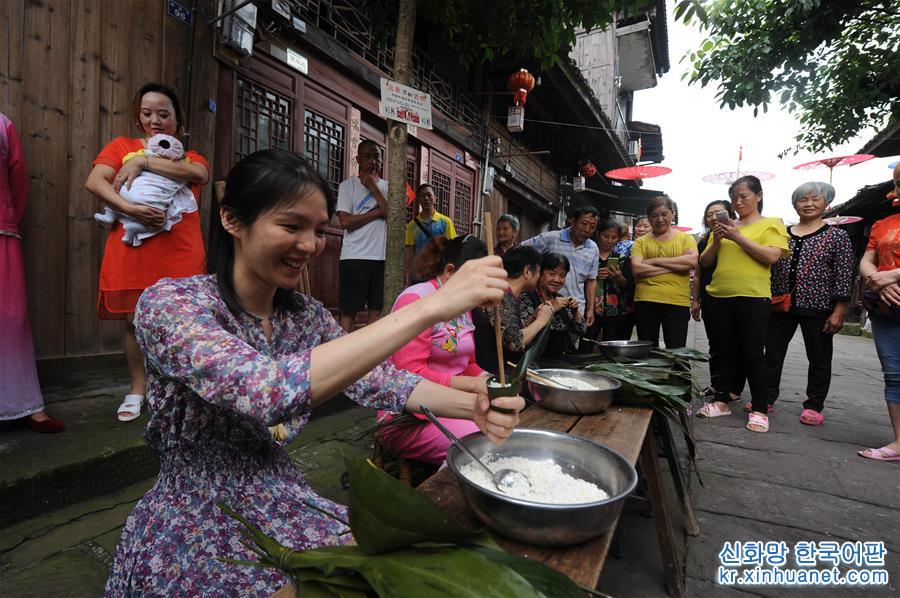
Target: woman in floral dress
233,352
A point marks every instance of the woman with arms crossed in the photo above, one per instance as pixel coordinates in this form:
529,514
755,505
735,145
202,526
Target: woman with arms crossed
880,270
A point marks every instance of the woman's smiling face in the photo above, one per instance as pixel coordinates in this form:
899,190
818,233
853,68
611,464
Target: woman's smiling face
273,250
157,115
553,280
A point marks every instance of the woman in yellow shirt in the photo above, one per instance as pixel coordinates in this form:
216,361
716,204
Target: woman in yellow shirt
740,298
662,262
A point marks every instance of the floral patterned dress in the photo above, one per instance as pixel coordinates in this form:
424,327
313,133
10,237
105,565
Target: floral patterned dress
214,385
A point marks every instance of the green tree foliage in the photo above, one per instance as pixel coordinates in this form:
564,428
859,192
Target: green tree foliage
835,64
487,31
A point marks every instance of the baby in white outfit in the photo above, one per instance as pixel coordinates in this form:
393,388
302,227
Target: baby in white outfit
154,190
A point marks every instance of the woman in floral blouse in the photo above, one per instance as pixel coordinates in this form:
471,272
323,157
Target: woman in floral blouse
613,309
523,266
567,326
233,352
818,275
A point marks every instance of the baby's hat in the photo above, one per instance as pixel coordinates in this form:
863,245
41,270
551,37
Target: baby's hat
165,146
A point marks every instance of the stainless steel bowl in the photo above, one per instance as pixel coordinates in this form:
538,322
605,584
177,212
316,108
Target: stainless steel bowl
547,524
577,402
630,349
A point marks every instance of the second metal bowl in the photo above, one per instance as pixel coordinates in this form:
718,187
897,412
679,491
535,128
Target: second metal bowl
629,349
576,402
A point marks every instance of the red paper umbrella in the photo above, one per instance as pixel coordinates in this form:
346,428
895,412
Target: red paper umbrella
839,220
830,163
684,229
733,175
635,173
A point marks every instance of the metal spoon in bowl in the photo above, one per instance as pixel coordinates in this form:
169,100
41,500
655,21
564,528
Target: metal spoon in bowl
504,479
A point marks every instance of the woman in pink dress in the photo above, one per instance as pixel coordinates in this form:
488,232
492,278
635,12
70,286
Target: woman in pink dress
20,393
444,353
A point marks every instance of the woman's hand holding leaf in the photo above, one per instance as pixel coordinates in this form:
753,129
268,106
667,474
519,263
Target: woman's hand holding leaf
496,425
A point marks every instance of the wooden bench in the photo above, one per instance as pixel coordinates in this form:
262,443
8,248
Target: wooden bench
624,429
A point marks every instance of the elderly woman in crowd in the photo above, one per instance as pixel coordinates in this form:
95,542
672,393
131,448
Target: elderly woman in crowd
661,262
567,326
613,317
880,269
507,234
740,293
523,267
818,278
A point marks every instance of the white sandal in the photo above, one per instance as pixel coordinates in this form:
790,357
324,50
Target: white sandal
132,404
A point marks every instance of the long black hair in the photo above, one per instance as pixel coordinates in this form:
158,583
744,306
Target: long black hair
261,182
719,202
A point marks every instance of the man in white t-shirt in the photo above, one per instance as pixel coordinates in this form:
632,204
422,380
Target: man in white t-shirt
362,208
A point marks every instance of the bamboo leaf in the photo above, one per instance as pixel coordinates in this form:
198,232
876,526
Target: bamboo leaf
542,578
534,349
386,514
421,571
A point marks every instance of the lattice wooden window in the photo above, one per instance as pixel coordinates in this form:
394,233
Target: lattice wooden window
462,208
263,120
325,142
441,184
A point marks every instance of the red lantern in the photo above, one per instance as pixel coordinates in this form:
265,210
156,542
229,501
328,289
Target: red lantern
520,83
588,169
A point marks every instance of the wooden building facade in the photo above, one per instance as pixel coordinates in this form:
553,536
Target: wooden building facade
71,67
68,72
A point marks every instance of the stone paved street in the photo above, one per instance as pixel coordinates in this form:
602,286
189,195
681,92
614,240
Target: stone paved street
794,483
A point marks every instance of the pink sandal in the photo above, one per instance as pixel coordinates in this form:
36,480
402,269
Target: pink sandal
758,422
748,407
879,454
811,417
712,410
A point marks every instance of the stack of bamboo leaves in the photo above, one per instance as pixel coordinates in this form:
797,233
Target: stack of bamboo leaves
663,381
405,546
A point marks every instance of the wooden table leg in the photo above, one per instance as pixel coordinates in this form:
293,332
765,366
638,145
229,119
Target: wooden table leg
691,525
674,576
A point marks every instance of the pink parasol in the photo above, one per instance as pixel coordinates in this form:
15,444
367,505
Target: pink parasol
830,163
635,173
839,220
733,175
684,229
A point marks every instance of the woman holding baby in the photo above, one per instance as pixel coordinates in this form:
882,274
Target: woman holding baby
128,269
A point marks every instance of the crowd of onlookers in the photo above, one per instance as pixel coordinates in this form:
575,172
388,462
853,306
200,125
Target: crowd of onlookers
233,360
749,278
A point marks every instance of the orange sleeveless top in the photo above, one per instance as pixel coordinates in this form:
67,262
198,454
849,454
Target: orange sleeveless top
126,271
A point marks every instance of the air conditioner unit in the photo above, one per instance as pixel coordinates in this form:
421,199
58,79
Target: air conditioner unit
238,27
633,149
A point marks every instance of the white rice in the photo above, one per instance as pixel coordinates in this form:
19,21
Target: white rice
572,382
549,484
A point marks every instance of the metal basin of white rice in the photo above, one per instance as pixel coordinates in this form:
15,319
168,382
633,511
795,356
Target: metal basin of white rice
540,523
593,392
